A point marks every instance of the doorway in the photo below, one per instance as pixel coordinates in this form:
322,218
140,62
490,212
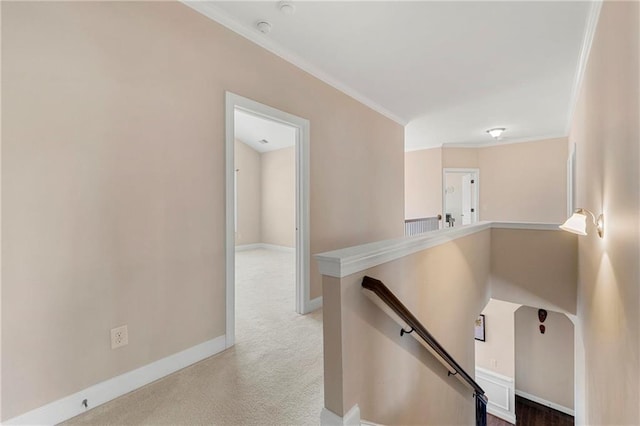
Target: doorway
460,196
299,127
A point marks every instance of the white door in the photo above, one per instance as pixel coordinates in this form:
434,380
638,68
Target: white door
460,194
467,216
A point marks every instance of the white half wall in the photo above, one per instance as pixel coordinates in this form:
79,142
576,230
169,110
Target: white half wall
501,393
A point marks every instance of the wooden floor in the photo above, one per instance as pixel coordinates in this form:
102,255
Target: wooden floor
529,413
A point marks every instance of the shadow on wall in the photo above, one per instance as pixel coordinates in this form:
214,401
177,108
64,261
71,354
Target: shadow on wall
535,268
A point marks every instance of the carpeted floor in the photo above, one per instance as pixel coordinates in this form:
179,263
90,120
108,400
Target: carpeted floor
272,376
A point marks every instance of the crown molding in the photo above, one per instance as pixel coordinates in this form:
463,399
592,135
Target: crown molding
587,42
503,142
218,15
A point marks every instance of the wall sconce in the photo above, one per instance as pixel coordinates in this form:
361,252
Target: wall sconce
577,223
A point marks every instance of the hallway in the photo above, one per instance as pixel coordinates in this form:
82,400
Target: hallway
529,413
272,376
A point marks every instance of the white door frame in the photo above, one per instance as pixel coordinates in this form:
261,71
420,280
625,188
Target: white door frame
303,302
476,190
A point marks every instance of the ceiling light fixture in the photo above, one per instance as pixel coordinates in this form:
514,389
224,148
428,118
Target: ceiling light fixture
286,7
496,132
264,27
577,223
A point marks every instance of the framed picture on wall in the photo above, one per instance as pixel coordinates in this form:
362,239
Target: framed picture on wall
479,328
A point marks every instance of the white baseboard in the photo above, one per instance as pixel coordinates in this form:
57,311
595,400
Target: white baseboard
500,391
329,418
71,406
265,246
546,403
278,248
312,305
244,247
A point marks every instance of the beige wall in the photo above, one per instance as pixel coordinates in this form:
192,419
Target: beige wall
423,183
497,352
249,194
534,268
113,183
266,185
279,197
606,131
521,182
460,158
392,377
524,181
544,362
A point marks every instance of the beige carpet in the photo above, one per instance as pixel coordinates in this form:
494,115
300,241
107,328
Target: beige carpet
272,376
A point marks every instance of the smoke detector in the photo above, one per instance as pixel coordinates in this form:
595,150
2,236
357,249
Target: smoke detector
264,27
286,7
263,141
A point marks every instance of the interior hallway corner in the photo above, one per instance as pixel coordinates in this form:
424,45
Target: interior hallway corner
272,376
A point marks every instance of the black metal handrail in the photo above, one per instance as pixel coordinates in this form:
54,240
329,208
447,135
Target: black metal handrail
381,290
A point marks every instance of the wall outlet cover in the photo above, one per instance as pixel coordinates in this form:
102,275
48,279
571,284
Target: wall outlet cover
119,337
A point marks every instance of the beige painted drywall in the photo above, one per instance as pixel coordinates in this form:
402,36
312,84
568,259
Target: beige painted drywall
248,193
544,362
423,183
460,158
392,378
521,182
497,352
524,181
113,183
534,268
278,220
606,131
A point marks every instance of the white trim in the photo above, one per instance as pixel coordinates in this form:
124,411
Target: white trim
313,304
544,402
71,406
230,223
350,260
245,247
500,391
479,145
503,141
585,49
265,246
302,249
531,226
329,418
571,180
476,190
211,11
347,261
278,248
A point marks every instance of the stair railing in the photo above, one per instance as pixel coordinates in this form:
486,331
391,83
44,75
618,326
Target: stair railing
381,290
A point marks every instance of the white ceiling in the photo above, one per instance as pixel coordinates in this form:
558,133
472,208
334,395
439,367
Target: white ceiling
250,129
449,70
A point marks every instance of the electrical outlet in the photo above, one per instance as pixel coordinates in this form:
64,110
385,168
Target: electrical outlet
119,337
494,362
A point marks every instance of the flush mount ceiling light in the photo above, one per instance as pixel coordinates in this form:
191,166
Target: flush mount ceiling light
286,7
264,27
496,132
577,223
